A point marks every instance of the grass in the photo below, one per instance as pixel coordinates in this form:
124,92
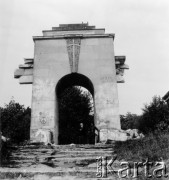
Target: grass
151,146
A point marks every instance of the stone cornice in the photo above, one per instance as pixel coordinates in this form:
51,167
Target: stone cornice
35,38
71,30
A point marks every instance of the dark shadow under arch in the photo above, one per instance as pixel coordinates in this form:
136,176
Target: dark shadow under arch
64,83
74,79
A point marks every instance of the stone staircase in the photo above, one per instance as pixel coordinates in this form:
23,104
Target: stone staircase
38,162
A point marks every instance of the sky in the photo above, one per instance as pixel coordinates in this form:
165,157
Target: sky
141,30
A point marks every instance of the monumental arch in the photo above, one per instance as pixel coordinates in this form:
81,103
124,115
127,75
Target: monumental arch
73,54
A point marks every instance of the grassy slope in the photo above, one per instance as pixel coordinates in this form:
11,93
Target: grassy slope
152,147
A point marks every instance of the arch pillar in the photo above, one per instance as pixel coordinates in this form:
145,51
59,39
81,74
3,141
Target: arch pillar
107,109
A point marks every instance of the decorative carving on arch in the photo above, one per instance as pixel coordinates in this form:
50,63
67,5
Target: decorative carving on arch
73,49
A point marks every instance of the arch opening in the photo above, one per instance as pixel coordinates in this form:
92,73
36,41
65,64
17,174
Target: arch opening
75,94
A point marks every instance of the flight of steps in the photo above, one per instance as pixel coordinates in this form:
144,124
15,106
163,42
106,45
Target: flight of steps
37,161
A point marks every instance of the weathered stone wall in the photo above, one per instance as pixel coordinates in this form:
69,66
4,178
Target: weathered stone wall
98,64
51,63
73,48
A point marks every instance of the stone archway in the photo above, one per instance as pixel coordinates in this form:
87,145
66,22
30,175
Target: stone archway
74,128
64,54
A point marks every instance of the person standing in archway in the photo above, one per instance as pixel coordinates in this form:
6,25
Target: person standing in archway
81,134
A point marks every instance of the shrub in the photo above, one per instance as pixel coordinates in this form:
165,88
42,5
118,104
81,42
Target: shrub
155,116
129,121
15,120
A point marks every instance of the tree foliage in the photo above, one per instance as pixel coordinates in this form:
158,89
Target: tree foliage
15,121
129,121
155,116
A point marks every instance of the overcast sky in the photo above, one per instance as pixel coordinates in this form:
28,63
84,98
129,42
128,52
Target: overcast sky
141,30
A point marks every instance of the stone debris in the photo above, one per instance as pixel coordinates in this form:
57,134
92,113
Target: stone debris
122,135
134,134
43,136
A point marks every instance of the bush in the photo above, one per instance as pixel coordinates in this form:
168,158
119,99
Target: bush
155,117
129,121
15,120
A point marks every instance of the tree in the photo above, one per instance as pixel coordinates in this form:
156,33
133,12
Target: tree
129,121
155,116
15,120
75,107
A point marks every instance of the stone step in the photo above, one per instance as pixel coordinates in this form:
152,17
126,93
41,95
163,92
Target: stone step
64,150
54,157
69,146
42,171
58,159
86,162
54,164
55,161
63,154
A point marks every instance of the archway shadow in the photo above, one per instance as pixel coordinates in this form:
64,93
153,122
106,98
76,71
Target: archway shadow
76,123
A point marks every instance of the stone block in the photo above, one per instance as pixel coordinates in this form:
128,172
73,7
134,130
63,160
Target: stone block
103,135
28,60
41,177
25,66
124,66
18,73
134,134
117,135
113,135
44,136
57,33
120,78
121,59
28,72
119,71
117,62
26,80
